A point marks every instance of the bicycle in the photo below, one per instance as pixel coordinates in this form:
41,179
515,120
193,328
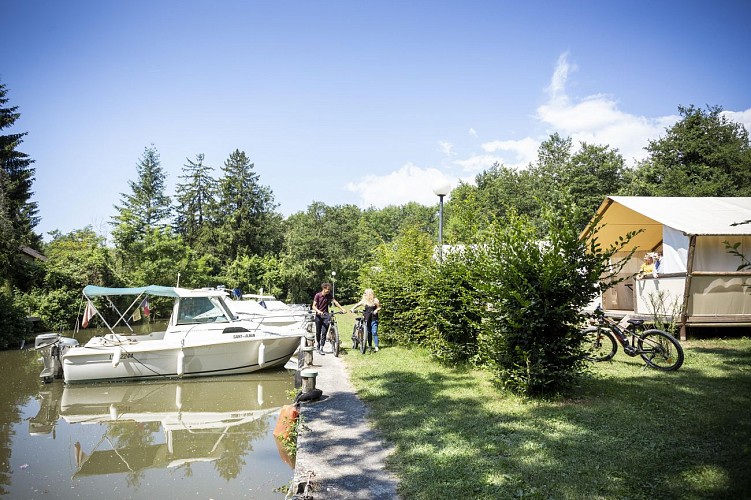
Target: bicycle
332,333
658,349
358,334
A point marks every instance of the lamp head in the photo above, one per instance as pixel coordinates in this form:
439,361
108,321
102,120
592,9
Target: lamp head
442,188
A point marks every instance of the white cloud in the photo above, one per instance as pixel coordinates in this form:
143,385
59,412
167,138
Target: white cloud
595,119
524,151
557,88
446,148
409,183
743,117
478,163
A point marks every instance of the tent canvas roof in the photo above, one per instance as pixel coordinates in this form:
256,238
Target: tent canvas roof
690,215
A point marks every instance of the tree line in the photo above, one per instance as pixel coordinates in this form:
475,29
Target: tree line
222,227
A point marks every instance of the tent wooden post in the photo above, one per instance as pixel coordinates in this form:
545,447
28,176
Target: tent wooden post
687,285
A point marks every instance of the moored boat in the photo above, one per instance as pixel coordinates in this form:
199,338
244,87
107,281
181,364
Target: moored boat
266,309
203,338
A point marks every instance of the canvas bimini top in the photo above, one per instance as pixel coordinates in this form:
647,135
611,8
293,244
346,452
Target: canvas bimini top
154,290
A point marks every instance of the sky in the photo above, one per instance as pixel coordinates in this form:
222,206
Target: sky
371,103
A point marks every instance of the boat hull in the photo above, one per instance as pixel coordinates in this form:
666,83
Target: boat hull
130,359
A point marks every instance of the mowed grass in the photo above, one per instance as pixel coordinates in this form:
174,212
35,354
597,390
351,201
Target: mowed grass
627,432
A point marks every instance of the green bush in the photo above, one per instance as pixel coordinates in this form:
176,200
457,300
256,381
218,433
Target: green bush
536,289
398,275
456,307
13,324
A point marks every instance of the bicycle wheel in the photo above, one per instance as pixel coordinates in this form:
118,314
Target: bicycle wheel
660,350
600,343
335,345
363,341
354,337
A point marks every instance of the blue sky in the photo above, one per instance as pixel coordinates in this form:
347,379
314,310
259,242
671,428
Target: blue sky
364,102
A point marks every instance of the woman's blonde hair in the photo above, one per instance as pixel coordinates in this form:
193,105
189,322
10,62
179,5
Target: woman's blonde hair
368,297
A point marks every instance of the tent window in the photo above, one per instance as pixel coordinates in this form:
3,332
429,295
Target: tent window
712,256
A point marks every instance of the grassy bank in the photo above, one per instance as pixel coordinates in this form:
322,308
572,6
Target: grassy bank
626,433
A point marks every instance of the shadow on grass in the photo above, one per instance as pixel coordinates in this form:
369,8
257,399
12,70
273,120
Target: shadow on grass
627,432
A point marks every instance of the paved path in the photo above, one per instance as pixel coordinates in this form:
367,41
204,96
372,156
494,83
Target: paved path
337,447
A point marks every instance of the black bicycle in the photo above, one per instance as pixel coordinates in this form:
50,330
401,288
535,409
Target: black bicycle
332,333
658,349
358,334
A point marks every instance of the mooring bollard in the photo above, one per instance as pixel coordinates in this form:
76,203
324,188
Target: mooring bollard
308,380
310,339
308,355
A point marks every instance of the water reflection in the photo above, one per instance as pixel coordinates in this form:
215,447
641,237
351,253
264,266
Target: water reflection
167,424
85,440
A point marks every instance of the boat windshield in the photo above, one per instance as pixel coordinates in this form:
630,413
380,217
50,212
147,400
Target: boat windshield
201,310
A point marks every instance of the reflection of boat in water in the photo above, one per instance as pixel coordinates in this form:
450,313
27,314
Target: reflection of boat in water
203,338
165,424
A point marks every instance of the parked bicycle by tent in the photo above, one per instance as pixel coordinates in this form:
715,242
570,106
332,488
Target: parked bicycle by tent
658,349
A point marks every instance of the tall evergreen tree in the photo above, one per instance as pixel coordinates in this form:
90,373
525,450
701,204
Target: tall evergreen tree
16,178
146,207
246,211
196,202
18,214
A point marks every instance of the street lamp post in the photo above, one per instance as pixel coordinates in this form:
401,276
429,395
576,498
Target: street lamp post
333,284
441,190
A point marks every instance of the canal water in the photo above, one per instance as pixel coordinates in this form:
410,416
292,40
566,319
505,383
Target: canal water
193,438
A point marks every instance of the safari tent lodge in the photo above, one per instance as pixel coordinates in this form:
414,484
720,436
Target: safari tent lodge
698,282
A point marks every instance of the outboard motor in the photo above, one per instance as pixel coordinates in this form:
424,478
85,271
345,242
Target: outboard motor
52,347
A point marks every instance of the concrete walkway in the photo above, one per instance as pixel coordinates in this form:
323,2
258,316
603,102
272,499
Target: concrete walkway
337,449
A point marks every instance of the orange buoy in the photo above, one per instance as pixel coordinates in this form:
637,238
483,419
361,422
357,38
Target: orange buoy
286,421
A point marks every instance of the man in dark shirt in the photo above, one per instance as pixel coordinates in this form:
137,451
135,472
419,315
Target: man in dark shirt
321,303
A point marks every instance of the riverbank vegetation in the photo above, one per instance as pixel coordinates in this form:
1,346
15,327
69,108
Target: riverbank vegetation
623,432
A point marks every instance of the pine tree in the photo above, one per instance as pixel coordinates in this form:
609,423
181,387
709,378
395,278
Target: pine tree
196,202
249,223
18,214
16,179
147,207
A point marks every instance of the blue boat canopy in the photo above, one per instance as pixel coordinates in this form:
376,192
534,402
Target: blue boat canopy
153,290
160,291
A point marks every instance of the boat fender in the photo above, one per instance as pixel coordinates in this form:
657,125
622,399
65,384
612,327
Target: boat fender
179,397
180,363
113,412
261,354
286,421
116,357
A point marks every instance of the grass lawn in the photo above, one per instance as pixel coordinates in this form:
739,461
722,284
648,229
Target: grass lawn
627,432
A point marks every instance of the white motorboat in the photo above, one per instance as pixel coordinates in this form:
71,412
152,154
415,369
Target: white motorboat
267,310
203,338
